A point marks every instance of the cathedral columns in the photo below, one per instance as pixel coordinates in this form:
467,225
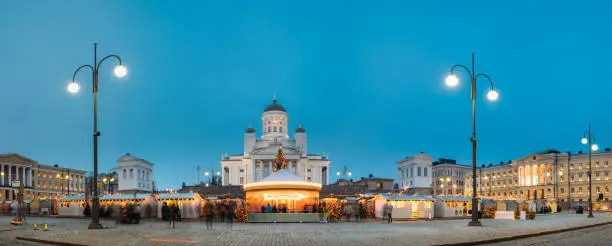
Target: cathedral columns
270,167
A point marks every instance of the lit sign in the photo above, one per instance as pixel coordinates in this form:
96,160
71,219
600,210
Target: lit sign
268,197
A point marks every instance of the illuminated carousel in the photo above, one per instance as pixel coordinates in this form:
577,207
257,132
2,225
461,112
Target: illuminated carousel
282,196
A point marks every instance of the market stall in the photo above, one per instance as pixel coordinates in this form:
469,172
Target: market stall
405,207
452,206
190,204
71,206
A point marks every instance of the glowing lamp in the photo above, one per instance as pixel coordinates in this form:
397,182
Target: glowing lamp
120,71
451,80
73,87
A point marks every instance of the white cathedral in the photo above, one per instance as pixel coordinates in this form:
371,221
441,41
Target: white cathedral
255,163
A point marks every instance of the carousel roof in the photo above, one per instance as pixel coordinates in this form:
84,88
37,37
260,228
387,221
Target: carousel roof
407,198
282,179
281,175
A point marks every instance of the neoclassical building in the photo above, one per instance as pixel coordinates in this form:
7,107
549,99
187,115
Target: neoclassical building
134,174
40,181
415,173
449,177
255,163
549,175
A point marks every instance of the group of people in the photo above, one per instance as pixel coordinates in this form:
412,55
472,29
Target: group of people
171,213
223,211
388,212
356,210
273,209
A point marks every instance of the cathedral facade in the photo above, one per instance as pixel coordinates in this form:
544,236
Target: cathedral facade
257,160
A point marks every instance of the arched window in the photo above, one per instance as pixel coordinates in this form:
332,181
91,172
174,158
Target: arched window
280,129
274,128
131,173
269,128
124,173
419,171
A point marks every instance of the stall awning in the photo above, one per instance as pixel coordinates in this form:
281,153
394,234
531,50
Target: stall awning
124,197
167,196
72,198
455,198
406,198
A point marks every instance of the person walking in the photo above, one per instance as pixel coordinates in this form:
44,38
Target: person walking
209,213
173,213
229,216
321,213
390,212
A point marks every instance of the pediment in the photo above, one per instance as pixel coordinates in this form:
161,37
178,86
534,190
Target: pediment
272,150
16,159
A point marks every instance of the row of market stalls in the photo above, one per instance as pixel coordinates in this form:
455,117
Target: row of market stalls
189,204
42,207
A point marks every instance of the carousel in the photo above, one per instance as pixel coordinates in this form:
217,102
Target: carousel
282,196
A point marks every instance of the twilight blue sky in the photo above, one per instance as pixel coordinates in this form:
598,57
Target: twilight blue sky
365,78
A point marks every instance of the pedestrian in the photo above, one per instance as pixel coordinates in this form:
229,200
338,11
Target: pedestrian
229,216
172,215
209,213
284,209
137,213
347,212
385,211
390,213
269,208
274,210
321,213
222,212
263,208
165,212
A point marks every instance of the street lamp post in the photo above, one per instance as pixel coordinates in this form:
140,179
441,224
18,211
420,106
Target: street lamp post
74,87
589,139
492,95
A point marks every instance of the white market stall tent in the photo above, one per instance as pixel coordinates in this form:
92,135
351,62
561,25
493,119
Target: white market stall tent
405,207
190,204
150,205
71,206
452,206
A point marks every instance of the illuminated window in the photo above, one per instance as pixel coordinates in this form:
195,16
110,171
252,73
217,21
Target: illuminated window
241,180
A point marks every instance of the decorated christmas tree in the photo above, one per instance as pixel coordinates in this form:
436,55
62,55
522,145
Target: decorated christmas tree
280,162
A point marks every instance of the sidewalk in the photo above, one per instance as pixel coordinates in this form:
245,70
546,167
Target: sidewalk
366,233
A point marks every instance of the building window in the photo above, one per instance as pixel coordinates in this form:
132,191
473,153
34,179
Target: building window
419,171
425,171
131,173
124,173
280,129
241,170
241,180
308,170
269,128
274,128
308,179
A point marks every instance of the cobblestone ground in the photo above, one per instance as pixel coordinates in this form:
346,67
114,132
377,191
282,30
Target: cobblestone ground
587,237
362,233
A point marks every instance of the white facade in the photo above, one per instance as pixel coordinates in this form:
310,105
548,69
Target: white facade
415,172
134,174
256,161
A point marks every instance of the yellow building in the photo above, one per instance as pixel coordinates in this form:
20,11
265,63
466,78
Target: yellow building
40,181
549,175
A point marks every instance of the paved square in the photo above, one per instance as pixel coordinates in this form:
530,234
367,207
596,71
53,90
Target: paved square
362,233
